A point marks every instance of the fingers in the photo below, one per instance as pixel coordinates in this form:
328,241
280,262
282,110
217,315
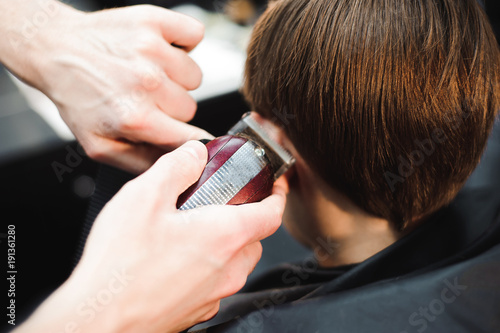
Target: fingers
165,132
210,311
253,253
256,221
181,30
249,223
175,101
239,267
176,171
281,186
133,158
149,140
179,67
175,62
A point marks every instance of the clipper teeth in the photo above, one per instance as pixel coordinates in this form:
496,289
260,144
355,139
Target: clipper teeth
250,128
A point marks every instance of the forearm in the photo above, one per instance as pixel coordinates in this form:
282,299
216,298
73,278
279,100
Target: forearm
74,307
27,27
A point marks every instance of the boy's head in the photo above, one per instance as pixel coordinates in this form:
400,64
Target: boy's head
389,102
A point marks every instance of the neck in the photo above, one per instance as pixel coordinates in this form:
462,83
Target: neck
353,236
326,221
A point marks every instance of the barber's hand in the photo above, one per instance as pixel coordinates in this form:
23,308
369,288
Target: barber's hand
174,265
120,78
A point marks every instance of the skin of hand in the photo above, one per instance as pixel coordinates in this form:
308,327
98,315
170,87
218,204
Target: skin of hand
176,265
119,77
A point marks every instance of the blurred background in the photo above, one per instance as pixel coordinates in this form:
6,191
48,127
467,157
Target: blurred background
48,209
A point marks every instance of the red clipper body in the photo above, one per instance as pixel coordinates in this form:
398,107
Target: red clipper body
242,167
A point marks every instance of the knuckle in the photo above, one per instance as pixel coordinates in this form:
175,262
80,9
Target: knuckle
147,43
236,241
253,254
96,152
131,122
224,253
122,107
141,71
258,251
189,110
198,30
212,312
152,79
238,284
196,77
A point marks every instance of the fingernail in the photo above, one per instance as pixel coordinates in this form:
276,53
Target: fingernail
195,148
204,141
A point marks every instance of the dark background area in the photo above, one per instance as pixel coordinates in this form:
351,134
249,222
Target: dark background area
48,213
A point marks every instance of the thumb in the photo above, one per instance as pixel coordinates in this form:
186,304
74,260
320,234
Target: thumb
176,171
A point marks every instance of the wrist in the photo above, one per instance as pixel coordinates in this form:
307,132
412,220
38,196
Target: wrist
47,41
31,28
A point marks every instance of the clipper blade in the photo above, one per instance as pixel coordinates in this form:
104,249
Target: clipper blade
248,127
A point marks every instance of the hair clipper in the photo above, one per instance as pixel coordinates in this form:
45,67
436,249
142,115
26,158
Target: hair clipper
242,167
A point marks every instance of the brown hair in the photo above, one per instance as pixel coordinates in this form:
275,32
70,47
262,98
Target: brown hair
390,101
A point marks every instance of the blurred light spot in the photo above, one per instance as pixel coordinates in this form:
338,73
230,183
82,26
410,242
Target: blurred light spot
84,186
